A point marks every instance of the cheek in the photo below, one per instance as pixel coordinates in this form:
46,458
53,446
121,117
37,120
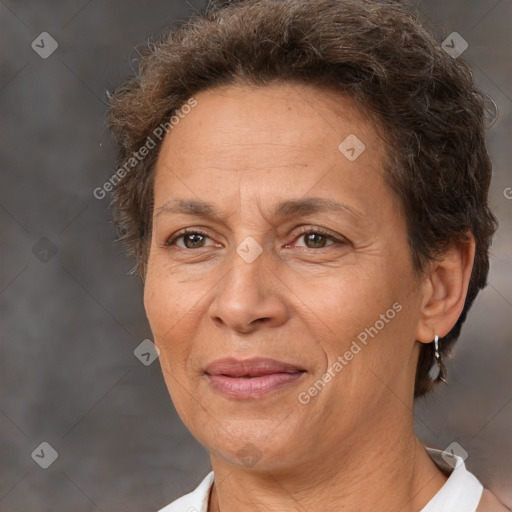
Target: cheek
165,311
165,307
166,299
364,317
157,304
352,301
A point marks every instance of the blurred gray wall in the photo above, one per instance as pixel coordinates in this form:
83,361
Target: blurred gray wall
71,317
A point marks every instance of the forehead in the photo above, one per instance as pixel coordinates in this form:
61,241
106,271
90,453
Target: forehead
295,115
284,136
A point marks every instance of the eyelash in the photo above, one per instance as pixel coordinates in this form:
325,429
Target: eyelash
305,231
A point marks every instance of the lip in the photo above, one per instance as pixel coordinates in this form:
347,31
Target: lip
251,378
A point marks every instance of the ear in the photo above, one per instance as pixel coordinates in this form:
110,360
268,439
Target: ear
444,290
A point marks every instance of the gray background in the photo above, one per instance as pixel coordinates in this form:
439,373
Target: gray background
71,319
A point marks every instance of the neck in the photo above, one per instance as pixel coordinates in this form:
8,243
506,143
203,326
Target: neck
395,473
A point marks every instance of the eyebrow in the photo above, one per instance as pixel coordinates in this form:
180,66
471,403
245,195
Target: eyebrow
303,206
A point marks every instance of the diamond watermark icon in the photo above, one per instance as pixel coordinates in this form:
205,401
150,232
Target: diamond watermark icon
452,452
249,455
491,111
44,250
249,249
351,147
454,45
45,455
146,352
44,45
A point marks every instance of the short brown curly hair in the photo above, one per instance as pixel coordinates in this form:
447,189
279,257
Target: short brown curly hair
377,52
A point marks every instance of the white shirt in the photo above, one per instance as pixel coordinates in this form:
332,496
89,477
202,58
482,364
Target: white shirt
460,493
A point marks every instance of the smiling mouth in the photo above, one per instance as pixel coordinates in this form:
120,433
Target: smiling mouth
251,378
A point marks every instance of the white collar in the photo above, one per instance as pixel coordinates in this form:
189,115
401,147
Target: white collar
460,493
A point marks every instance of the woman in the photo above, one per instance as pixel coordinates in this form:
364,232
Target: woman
304,187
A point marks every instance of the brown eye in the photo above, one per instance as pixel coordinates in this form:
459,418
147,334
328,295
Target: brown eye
316,240
191,239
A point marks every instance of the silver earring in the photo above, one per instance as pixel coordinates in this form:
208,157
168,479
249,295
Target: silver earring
436,348
442,370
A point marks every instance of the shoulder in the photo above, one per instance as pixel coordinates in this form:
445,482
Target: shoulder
490,503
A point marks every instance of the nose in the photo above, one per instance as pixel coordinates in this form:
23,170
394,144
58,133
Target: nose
249,297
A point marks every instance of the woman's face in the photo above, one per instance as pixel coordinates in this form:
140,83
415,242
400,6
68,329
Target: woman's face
300,256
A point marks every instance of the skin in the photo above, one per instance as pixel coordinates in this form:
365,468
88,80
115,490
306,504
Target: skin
352,447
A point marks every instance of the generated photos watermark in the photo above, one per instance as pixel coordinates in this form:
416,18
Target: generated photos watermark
138,156
305,397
